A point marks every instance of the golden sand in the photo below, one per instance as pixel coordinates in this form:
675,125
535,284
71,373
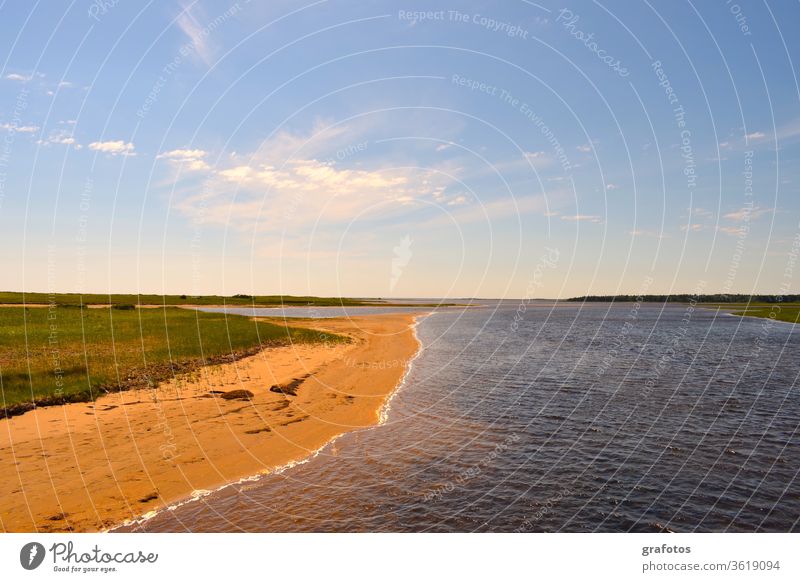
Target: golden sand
90,466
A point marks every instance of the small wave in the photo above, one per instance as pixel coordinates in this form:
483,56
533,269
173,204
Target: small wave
383,414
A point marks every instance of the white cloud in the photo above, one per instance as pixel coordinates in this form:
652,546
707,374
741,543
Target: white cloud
756,135
694,227
582,218
534,155
114,148
586,148
732,230
19,128
17,77
60,138
187,159
647,233
611,186
443,146
287,183
747,213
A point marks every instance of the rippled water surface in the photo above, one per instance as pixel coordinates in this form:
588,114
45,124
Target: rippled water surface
593,418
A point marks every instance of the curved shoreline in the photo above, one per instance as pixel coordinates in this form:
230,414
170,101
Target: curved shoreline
129,456
136,523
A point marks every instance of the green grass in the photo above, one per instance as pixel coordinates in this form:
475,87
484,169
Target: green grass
789,312
67,354
75,300
18,298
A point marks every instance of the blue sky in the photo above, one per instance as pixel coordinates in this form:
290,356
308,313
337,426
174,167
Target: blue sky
513,149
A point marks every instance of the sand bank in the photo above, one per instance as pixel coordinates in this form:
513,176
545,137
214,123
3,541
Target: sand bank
89,466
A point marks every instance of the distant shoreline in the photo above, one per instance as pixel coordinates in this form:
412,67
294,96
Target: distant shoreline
150,300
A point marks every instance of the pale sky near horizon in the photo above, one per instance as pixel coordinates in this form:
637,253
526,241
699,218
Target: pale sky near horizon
478,149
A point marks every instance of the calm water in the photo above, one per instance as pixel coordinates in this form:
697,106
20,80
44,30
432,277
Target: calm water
598,418
316,312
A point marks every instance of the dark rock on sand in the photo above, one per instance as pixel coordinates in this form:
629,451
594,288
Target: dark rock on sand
237,395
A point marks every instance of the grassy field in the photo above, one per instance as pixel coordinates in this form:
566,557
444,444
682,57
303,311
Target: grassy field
76,300
18,298
780,311
67,354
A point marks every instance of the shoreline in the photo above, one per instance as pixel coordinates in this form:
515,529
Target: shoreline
136,524
127,456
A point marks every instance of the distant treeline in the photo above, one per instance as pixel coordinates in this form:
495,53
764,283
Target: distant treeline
74,299
686,298
130,301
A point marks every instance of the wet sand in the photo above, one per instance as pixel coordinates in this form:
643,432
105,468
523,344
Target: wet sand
90,466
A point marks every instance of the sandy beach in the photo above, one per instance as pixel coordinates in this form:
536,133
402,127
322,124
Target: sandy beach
91,466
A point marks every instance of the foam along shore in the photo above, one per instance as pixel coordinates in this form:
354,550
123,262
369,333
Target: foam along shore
91,466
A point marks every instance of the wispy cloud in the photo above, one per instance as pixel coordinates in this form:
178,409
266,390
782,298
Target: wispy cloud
19,128
582,218
290,180
114,148
756,135
647,233
197,26
747,213
60,138
188,159
18,77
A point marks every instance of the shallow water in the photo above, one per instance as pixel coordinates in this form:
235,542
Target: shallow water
579,418
313,312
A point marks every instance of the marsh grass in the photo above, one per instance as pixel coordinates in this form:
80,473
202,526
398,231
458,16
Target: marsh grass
789,312
75,299
66,354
